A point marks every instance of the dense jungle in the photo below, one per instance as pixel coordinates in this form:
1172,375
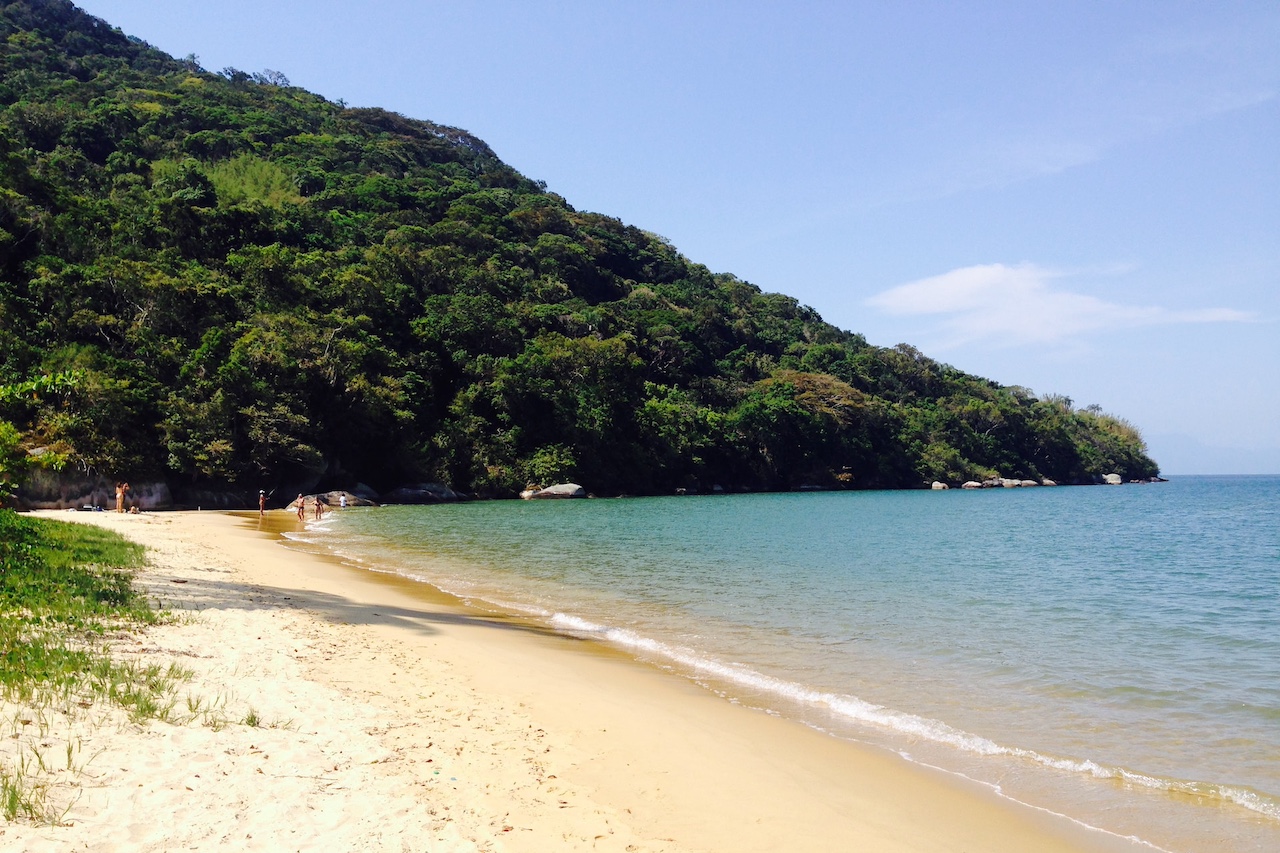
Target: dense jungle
225,282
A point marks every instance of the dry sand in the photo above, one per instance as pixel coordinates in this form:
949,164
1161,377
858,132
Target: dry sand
392,718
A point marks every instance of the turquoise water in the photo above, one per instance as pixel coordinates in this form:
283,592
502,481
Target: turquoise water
1111,654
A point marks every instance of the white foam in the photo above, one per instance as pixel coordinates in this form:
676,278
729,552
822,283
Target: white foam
573,623
853,709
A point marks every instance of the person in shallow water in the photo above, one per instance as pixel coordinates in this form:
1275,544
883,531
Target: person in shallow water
301,503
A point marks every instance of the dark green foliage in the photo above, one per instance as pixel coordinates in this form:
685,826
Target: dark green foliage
257,286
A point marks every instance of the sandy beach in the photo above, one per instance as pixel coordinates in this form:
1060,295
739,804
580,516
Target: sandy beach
347,710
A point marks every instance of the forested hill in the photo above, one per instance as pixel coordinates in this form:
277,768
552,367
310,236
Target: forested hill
228,282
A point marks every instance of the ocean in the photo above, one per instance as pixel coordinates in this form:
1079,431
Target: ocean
1107,653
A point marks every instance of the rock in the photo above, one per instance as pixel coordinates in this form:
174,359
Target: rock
1113,479
971,484
47,489
1047,482
421,493
370,494
334,498
939,486
561,490
1010,484
1027,483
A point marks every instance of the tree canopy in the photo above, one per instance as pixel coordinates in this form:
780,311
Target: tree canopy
241,283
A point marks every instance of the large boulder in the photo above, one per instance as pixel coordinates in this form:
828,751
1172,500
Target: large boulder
47,489
1113,480
971,484
562,490
939,486
334,498
370,494
421,493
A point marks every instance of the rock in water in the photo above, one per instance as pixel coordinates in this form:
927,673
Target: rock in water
562,490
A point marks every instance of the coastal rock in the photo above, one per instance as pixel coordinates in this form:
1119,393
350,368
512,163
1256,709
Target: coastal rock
1047,482
46,489
971,484
334,498
1113,480
367,492
1026,484
939,486
561,490
421,493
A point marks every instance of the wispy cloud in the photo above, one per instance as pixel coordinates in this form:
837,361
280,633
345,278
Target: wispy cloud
1018,305
1142,87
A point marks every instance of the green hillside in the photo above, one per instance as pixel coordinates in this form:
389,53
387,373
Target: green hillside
227,282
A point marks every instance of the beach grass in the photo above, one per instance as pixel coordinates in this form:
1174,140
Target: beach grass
65,592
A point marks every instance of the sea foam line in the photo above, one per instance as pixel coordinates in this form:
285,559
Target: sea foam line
860,711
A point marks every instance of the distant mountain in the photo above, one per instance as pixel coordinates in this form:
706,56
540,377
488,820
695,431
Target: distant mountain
232,282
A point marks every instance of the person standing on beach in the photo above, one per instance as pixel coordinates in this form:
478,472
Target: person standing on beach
262,503
319,508
302,502
121,488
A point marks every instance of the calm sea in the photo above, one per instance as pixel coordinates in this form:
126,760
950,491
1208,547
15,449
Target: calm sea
1111,654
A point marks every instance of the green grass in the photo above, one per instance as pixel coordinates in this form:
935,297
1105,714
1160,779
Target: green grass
63,588
69,573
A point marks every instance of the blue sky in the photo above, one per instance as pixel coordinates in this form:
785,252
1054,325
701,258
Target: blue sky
1079,198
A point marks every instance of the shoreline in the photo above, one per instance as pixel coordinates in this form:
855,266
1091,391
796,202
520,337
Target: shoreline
481,731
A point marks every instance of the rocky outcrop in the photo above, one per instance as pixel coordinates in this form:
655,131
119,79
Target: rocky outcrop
60,490
1113,480
334,498
939,486
421,493
562,490
361,490
1006,483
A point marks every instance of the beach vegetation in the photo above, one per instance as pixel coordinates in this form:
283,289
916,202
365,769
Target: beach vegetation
253,285
65,592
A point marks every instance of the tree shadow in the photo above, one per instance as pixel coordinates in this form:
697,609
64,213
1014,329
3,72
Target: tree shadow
217,593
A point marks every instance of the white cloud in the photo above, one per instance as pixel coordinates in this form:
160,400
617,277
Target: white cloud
1016,305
